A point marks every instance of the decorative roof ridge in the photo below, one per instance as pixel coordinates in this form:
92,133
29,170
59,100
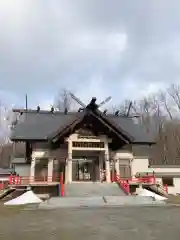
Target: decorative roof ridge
55,112
34,111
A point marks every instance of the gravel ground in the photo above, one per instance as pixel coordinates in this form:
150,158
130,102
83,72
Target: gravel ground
155,222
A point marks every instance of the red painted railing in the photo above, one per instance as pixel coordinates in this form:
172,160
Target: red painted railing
62,185
19,180
126,182
166,188
2,186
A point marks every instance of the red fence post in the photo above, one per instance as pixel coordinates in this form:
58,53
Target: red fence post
62,184
20,180
11,179
128,187
16,180
166,188
2,185
154,178
113,176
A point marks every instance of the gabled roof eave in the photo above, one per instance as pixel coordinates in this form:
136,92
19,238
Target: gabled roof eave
60,131
111,126
54,136
122,131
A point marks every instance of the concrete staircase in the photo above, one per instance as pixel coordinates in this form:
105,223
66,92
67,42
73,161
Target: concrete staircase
95,195
6,192
113,201
96,189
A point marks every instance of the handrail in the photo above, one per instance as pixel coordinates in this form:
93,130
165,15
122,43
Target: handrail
19,180
16,180
2,187
124,184
163,187
150,179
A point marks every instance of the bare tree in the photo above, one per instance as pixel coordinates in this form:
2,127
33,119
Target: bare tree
63,100
167,108
158,116
153,111
143,108
5,128
113,109
125,107
167,148
6,116
174,92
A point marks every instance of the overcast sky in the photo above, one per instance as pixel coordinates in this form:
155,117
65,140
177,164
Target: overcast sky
91,47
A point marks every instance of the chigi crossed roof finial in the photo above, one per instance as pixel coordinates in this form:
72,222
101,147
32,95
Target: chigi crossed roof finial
92,105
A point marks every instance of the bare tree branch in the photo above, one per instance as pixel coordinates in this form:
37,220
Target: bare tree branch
164,101
63,100
174,92
124,107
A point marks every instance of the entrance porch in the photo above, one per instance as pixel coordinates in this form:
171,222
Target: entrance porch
83,156
86,169
81,166
87,163
86,166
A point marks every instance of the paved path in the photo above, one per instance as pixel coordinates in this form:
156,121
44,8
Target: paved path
148,223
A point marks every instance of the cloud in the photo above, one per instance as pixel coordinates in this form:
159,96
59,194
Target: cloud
93,48
94,88
107,43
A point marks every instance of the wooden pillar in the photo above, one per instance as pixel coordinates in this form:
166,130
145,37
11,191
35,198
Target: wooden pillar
50,170
108,173
32,170
68,177
101,170
107,164
117,167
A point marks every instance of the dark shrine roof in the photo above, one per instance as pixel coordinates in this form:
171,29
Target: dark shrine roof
34,125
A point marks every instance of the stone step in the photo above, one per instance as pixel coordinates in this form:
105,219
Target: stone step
93,189
131,200
106,201
77,201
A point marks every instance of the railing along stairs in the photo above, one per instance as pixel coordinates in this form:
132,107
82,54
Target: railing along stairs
149,180
56,179
124,184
